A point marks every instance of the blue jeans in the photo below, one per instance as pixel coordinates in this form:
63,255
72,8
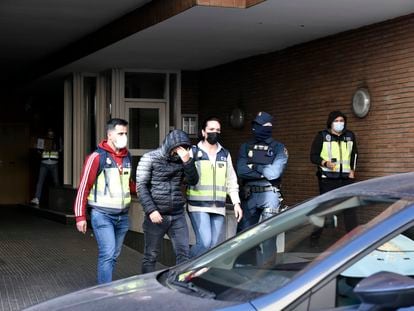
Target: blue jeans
43,171
175,226
110,231
208,229
253,212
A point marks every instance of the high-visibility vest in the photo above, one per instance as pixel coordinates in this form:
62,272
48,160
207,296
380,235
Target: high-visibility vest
211,189
111,189
337,149
50,155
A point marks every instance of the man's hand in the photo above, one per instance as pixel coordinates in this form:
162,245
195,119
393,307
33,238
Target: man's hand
351,174
82,226
238,212
183,153
155,217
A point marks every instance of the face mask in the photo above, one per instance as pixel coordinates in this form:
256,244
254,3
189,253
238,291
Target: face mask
338,126
261,132
213,138
121,142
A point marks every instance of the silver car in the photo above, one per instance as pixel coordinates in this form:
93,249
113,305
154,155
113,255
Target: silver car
368,265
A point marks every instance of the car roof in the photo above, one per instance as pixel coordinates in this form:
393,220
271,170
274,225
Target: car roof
397,185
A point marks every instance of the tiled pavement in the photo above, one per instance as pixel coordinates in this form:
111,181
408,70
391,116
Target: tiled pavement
41,258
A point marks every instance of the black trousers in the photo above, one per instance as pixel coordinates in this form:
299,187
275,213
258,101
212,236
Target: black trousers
350,217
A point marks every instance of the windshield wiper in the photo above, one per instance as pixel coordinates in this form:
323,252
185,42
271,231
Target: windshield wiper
189,286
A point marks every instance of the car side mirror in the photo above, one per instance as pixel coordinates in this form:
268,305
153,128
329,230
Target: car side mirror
385,291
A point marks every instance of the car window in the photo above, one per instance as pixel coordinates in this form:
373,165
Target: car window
266,257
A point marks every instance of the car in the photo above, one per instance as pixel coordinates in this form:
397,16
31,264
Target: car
369,265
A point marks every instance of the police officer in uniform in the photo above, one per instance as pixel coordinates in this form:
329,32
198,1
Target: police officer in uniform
260,167
49,164
334,152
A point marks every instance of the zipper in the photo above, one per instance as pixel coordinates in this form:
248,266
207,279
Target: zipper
214,181
340,156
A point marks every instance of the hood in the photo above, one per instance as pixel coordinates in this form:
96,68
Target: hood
174,139
332,116
142,292
104,145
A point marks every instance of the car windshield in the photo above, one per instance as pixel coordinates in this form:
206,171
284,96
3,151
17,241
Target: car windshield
265,257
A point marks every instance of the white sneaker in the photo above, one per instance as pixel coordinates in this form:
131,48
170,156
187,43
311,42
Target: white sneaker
35,201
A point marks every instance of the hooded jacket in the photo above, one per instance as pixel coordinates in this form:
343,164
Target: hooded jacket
160,177
89,175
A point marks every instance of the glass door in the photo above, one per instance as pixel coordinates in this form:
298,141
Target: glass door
146,128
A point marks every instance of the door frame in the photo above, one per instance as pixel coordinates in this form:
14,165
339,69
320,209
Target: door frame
148,104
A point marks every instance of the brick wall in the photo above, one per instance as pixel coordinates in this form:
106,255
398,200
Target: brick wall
302,84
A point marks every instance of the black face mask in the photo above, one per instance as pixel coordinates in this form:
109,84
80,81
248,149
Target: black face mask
261,132
213,138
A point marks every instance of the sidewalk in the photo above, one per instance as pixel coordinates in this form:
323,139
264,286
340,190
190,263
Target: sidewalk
42,259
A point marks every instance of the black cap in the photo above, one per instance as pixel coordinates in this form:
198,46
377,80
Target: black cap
332,116
262,118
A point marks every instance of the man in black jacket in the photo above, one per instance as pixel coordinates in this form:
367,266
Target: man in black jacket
160,174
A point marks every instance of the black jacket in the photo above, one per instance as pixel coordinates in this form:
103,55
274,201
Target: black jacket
160,177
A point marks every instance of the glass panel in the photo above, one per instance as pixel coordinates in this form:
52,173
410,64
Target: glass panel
89,97
173,87
135,160
260,260
144,85
144,132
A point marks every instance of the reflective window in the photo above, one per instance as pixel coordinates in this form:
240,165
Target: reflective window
144,130
145,85
268,256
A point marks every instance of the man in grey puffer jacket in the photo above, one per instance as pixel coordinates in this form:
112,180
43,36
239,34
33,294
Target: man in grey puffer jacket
160,175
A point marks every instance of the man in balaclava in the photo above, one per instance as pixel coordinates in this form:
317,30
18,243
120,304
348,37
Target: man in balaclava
334,152
260,166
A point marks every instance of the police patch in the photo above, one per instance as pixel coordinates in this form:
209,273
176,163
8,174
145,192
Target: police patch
328,137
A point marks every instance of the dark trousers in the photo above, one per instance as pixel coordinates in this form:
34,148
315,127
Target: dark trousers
350,217
176,229
43,171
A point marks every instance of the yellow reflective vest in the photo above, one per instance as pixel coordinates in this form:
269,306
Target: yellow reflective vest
337,149
211,189
50,155
111,189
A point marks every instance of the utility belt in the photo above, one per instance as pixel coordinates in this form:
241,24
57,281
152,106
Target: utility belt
247,190
258,189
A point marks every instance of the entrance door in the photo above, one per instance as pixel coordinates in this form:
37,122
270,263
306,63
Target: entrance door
14,167
146,128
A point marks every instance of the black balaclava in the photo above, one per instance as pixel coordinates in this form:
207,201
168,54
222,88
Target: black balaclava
261,132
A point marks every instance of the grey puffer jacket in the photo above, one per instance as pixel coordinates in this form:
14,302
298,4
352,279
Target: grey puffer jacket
160,177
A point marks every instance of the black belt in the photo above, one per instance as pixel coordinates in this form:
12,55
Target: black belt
263,188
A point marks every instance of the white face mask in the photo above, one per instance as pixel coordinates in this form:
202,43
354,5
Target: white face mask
121,142
338,126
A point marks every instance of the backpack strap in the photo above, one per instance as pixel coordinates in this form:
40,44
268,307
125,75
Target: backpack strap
102,160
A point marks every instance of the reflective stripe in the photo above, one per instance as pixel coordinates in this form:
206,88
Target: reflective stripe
207,198
111,188
50,155
210,188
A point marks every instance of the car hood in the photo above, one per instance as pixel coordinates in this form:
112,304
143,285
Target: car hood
141,292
